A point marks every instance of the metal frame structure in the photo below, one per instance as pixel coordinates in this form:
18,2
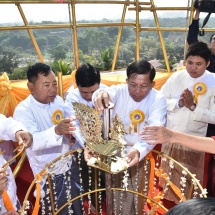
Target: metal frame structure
129,5
155,200
137,6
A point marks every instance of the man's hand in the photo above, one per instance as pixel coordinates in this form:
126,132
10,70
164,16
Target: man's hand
88,154
3,180
101,100
133,157
181,101
65,126
156,135
188,98
24,137
197,14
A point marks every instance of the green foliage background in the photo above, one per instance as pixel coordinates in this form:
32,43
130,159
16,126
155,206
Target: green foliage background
96,46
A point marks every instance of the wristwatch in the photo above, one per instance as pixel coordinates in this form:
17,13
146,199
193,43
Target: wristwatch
193,107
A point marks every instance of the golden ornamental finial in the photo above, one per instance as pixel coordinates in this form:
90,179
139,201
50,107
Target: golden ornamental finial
91,125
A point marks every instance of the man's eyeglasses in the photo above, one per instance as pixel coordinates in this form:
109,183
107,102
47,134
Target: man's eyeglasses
142,88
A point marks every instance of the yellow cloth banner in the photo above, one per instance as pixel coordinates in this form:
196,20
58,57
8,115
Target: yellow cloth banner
13,92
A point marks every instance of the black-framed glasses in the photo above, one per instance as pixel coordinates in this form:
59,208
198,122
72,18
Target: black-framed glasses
142,88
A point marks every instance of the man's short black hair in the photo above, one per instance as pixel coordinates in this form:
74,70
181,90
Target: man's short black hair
200,49
141,67
87,75
196,206
36,69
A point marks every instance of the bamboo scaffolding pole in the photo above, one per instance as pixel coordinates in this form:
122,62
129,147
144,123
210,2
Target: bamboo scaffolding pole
68,1
161,8
31,35
75,37
60,84
161,38
82,25
119,38
137,31
164,29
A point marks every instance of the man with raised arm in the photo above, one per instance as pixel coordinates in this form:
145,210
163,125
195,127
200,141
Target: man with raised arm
137,104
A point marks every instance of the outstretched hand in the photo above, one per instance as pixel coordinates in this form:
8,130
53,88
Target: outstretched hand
156,135
65,126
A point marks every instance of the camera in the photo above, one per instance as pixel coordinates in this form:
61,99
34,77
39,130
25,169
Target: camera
207,6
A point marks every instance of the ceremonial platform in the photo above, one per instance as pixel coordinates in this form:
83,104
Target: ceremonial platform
15,91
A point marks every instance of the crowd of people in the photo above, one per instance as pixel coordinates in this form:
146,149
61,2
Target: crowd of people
177,116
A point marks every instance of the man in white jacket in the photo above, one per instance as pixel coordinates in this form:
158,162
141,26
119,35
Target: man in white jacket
137,104
88,79
42,112
190,101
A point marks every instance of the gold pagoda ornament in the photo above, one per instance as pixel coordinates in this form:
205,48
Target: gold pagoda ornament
108,154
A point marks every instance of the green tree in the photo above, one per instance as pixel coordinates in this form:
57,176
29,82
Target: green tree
42,42
59,52
112,32
96,40
94,59
83,44
18,74
126,34
61,66
8,61
126,54
53,40
107,56
18,40
172,62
